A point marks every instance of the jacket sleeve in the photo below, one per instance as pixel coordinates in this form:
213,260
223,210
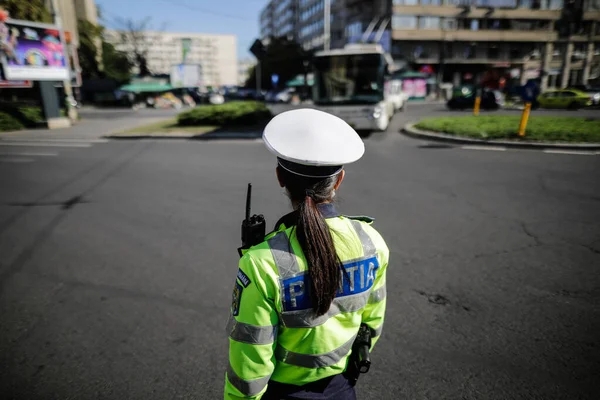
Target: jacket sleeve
252,331
374,311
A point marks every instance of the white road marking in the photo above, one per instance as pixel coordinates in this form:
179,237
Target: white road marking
42,144
16,160
486,148
53,140
29,154
573,152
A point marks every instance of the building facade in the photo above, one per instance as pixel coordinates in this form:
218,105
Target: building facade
468,40
216,54
457,40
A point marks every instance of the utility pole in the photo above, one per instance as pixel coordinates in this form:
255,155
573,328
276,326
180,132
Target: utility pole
258,77
71,112
327,25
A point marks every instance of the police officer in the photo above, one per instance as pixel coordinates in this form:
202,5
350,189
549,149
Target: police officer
301,295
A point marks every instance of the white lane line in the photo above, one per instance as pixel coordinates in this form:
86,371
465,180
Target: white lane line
53,140
573,152
16,160
486,148
29,154
43,144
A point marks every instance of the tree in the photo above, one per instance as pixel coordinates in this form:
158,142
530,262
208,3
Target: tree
283,57
133,35
89,37
29,10
116,64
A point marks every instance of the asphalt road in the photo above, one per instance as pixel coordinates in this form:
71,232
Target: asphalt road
118,260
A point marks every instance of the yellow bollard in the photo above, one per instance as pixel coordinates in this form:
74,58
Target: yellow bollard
477,104
524,119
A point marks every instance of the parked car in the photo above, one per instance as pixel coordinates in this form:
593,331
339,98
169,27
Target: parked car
592,91
566,98
463,97
283,96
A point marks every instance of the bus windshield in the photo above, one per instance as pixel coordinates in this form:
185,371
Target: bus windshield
349,79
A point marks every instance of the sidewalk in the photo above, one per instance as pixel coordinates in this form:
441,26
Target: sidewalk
84,128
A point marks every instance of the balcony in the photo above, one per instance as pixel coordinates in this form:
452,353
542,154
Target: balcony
474,36
454,11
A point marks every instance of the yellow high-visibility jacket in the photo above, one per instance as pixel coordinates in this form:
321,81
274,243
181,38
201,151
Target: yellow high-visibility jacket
273,331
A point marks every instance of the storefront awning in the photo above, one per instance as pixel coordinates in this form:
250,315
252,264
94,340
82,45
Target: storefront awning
145,87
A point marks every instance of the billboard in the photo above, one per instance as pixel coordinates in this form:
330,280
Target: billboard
32,51
186,75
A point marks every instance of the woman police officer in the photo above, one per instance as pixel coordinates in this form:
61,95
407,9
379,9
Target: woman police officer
301,296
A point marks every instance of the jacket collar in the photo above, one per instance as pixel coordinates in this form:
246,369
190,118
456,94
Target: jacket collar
328,210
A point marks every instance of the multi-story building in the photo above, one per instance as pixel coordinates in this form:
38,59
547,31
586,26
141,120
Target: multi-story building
468,39
216,54
457,40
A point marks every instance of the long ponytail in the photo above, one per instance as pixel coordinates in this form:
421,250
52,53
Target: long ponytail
323,263
315,238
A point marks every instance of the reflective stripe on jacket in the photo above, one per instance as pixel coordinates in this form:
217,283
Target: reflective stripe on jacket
273,331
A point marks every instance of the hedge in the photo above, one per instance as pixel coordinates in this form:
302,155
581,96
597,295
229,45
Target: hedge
19,117
236,113
9,123
539,128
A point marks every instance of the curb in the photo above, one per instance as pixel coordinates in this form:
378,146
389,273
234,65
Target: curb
410,130
192,136
137,137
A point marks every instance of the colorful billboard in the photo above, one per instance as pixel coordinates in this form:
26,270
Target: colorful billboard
32,51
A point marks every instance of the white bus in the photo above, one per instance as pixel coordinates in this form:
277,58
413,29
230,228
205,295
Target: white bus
353,84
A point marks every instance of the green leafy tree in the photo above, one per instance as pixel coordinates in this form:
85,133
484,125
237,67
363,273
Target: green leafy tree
29,10
283,57
115,64
89,38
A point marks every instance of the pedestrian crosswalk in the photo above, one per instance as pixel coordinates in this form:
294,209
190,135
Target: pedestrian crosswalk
17,150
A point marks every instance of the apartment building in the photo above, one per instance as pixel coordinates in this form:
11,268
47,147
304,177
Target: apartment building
456,40
216,54
318,24
466,40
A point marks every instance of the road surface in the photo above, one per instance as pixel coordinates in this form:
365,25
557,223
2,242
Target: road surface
118,261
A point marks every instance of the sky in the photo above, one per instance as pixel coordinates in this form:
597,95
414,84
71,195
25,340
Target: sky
238,17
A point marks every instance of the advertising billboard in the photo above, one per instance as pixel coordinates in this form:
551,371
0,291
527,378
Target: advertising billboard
32,51
186,75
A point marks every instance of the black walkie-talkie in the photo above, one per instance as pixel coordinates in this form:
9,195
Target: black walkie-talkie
253,227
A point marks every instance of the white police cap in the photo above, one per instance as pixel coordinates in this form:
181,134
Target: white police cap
312,143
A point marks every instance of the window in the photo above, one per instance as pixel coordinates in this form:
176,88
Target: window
429,23
430,2
449,24
406,2
470,52
493,52
515,54
404,22
474,24
525,3
555,4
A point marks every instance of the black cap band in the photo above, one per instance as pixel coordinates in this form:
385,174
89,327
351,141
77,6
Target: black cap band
309,171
